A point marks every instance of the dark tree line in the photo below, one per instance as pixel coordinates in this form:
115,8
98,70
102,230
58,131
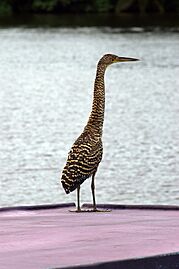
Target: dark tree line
90,6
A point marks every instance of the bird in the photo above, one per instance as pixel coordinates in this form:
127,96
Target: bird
87,151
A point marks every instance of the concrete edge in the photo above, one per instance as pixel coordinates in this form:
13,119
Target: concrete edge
86,205
36,207
145,207
163,261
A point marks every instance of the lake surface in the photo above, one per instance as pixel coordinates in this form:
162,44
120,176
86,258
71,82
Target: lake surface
46,87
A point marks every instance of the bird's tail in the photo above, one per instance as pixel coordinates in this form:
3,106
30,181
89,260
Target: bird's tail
66,187
69,188
70,185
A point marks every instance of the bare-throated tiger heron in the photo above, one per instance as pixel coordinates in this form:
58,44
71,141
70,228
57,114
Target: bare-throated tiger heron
86,153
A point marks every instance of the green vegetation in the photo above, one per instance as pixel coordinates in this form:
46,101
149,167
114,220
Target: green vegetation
5,7
83,6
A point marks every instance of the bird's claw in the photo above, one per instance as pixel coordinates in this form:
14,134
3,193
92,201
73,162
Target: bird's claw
90,210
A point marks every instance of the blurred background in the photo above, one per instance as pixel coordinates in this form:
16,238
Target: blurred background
48,55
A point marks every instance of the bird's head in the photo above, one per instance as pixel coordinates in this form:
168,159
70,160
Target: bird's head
109,59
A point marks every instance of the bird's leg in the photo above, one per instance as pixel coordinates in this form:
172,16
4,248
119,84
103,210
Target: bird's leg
78,208
78,199
93,191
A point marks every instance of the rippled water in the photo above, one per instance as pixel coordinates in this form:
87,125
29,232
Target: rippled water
46,83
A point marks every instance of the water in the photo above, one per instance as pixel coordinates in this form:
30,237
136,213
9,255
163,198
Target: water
46,78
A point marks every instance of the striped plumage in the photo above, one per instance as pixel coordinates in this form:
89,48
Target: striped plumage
82,162
86,153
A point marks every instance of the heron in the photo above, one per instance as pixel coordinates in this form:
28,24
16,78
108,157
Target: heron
86,152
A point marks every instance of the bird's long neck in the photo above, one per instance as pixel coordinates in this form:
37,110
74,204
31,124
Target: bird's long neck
97,114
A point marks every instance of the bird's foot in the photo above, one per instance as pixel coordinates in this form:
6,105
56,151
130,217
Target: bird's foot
90,210
76,210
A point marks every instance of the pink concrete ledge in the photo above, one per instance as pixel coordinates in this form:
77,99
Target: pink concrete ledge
49,236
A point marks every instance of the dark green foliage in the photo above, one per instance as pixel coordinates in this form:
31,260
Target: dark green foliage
19,6
44,5
84,6
5,7
141,6
103,5
123,5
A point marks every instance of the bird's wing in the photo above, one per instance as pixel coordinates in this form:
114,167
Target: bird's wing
83,160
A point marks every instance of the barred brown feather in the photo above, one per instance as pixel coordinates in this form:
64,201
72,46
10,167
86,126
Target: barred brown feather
83,160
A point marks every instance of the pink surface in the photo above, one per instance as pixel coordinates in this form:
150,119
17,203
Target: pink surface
56,237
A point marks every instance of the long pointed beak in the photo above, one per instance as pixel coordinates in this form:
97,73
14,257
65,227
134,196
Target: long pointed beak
126,59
